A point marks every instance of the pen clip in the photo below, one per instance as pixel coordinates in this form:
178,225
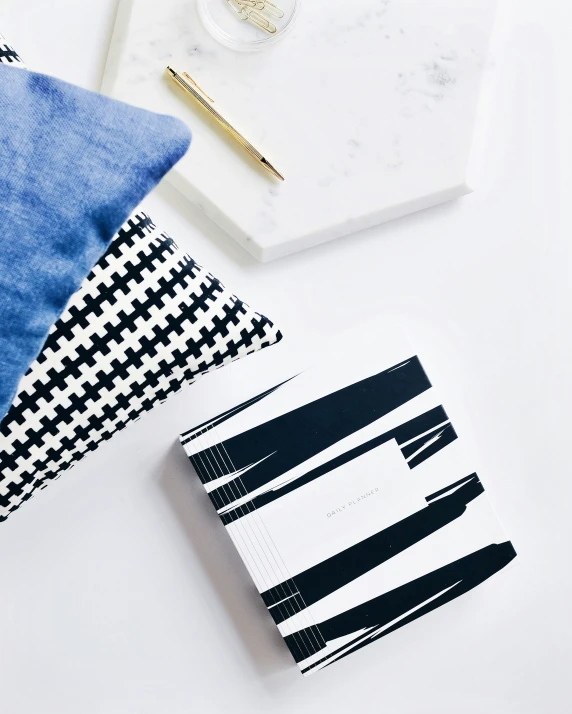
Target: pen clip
186,75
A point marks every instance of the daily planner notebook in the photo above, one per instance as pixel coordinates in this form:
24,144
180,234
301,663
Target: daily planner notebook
347,493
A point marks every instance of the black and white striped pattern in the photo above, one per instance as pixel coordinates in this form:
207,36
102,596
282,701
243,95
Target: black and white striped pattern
352,503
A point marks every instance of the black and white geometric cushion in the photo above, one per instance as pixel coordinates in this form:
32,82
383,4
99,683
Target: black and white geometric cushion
8,54
146,321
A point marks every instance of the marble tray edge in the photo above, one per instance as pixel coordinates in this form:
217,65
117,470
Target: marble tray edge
116,46
268,253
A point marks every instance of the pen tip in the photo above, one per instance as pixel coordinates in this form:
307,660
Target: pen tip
268,166
171,70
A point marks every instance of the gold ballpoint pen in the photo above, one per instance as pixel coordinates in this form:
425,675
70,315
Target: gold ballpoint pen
188,84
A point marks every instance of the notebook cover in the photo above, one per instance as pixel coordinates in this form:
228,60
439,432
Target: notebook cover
350,498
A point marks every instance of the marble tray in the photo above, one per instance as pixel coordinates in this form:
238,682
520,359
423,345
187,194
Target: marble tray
367,107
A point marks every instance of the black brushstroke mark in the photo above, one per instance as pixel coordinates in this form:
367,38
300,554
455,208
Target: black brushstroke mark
344,567
459,577
292,438
448,488
212,423
402,434
442,438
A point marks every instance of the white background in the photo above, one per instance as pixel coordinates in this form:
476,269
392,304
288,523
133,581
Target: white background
119,591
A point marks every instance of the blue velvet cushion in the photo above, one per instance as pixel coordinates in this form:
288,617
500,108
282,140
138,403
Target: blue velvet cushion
68,158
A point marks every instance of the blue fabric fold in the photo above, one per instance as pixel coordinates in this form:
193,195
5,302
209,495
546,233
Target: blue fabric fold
73,166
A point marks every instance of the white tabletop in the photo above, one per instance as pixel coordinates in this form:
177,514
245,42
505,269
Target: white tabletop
119,590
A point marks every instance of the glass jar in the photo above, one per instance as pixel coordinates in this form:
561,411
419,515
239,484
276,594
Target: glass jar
228,22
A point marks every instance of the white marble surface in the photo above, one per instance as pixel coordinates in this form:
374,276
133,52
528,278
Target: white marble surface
367,107
119,592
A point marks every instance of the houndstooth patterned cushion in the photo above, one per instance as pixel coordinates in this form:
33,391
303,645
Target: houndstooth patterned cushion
8,54
146,320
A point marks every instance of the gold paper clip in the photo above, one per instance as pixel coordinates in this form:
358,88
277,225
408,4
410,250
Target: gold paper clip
273,9
256,4
270,7
247,12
